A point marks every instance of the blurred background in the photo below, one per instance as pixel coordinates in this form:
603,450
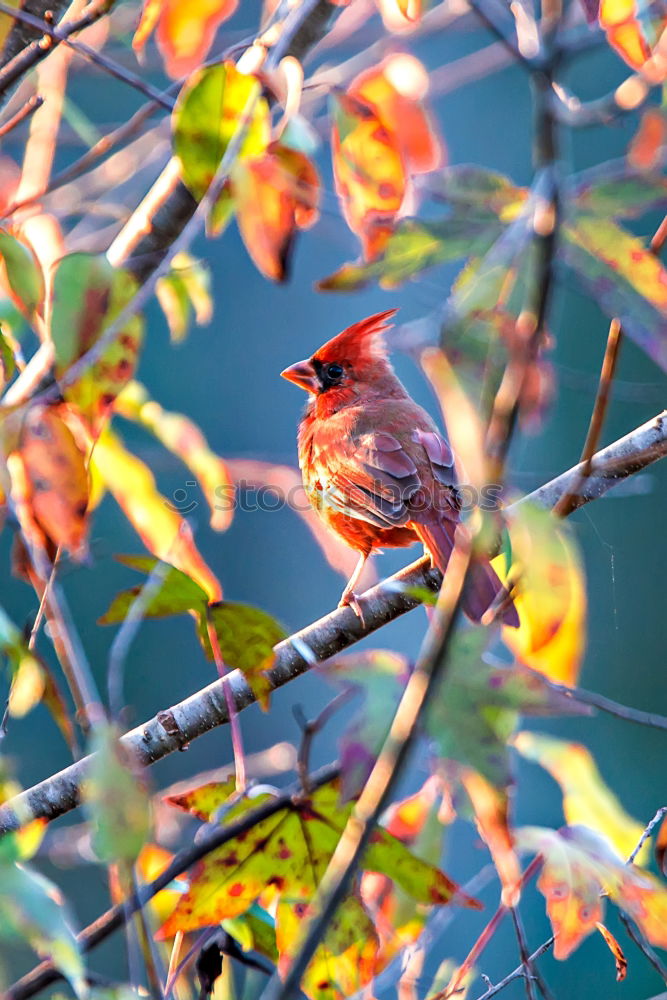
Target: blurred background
226,377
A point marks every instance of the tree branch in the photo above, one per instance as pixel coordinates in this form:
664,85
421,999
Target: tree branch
204,710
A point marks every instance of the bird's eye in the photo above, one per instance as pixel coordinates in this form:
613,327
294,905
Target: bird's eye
334,372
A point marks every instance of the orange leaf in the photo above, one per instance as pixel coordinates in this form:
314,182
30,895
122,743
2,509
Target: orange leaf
55,478
275,194
396,89
369,171
617,952
185,31
491,808
624,32
646,146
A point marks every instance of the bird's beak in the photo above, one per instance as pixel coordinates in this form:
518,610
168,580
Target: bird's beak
302,374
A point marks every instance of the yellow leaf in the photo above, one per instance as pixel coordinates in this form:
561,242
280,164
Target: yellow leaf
164,532
587,801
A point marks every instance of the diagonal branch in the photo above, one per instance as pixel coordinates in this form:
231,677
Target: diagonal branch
174,728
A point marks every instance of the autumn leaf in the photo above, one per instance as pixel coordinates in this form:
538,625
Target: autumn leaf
246,637
346,958
151,861
476,709
275,194
185,31
184,291
624,32
164,532
491,808
645,149
288,852
587,801
88,295
55,488
416,822
174,593
21,274
116,799
185,440
624,277
213,108
579,866
7,359
544,568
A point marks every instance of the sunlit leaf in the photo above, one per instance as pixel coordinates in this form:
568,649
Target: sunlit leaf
624,32
255,931
151,861
20,271
579,865
344,961
275,194
416,822
182,437
174,593
164,532
214,107
369,171
624,277
185,31
400,15
55,478
289,852
184,291
396,88
246,637
476,190
88,295
491,809
32,909
586,798
549,593
116,799
471,718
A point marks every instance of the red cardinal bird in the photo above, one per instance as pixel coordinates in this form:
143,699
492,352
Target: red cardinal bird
374,466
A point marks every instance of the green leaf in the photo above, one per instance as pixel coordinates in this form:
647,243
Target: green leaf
32,908
210,111
624,277
246,637
185,291
477,706
24,275
613,191
7,360
116,799
88,295
254,931
174,594
415,246
477,190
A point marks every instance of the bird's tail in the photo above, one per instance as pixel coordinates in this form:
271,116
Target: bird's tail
483,586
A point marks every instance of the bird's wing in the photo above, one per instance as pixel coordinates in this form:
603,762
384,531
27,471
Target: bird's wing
372,476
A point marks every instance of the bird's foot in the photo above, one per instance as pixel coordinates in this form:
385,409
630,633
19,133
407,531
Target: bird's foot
350,600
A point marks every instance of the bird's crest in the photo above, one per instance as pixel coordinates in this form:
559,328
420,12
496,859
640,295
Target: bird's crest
360,342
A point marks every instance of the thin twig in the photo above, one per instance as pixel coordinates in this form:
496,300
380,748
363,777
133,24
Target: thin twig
310,727
611,707
526,964
45,973
648,830
62,35
234,723
24,112
517,973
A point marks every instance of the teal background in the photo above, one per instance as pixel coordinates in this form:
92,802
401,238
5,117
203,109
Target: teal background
226,378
